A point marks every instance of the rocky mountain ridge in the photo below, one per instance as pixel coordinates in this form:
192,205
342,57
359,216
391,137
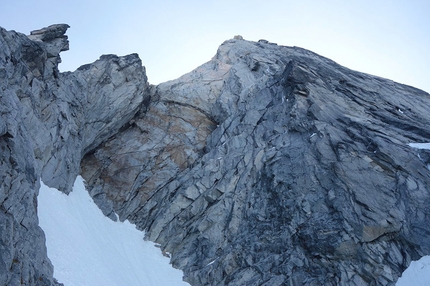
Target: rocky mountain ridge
267,165
49,120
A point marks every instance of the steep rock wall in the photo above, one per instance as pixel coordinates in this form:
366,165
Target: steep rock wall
272,165
267,165
48,122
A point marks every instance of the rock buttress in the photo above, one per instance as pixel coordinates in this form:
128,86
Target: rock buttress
48,121
272,165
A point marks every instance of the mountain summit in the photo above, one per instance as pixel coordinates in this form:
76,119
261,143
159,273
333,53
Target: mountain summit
267,165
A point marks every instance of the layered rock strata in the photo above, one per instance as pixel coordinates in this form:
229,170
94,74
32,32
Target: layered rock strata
48,122
268,165
272,165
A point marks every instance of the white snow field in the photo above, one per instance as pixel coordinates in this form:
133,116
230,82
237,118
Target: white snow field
417,274
88,249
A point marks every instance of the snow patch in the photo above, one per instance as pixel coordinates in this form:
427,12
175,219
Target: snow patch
87,248
212,262
420,145
417,274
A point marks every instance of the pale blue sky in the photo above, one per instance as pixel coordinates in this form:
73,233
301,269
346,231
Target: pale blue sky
381,37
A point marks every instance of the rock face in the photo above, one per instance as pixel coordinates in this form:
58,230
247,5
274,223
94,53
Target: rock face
272,165
48,122
268,165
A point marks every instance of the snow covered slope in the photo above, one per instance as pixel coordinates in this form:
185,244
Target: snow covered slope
417,274
87,248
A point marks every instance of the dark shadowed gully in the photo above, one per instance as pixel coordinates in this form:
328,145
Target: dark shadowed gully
267,165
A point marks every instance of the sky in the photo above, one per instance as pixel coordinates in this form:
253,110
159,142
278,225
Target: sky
87,248
388,38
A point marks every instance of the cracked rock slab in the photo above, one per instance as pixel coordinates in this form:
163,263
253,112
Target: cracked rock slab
301,174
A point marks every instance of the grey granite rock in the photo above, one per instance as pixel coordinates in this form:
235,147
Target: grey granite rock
48,121
272,165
